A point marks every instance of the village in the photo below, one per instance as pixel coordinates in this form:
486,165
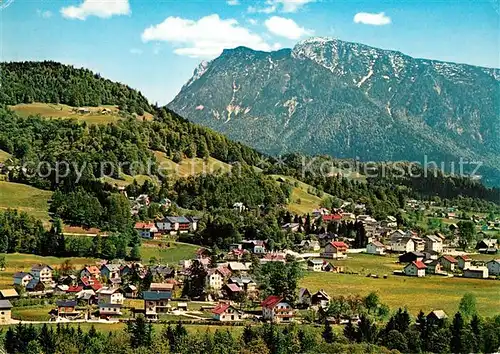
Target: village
120,290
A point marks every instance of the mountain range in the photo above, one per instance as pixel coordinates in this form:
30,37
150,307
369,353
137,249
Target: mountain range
350,100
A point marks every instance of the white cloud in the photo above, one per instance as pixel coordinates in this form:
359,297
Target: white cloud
206,37
252,21
233,2
44,14
286,27
99,8
136,51
282,5
367,18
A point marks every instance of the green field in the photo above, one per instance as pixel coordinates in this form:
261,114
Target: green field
22,262
431,292
301,201
167,255
25,198
32,313
189,167
50,110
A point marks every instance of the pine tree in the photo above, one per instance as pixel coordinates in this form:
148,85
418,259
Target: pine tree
457,329
328,334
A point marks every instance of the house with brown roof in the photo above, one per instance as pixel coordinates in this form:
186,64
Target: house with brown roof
42,272
335,249
226,312
8,294
415,269
375,247
67,308
448,262
276,309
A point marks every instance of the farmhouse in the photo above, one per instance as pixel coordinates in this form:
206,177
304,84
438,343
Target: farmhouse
67,308
464,262
214,279
411,256
437,316
403,244
415,269
310,245
5,311
433,243
487,246
476,272
177,224
35,285
375,247
7,294
433,266
130,291
42,272
493,267
226,312
90,271
111,271
146,230
165,288
110,296
315,265
275,309
304,297
320,298
109,310
448,263
156,302
335,249
22,278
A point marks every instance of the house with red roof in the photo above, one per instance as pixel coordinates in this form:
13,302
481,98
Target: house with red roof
146,229
415,269
331,217
276,309
464,262
448,263
226,312
335,249
91,271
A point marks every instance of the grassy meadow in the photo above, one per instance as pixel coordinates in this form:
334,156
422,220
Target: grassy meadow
189,167
25,198
167,255
429,293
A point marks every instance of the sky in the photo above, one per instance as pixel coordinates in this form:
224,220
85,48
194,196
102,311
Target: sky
154,45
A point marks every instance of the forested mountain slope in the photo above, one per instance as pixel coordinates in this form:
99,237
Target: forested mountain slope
350,100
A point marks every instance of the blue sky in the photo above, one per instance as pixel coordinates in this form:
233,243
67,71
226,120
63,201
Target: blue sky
154,45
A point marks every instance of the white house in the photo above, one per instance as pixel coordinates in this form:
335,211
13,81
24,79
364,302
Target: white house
335,249
464,262
110,296
315,265
226,312
402,244
42,272
146,230
275,309
375,247
22,278
493,267
433,243
214,279
415,269
476,272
